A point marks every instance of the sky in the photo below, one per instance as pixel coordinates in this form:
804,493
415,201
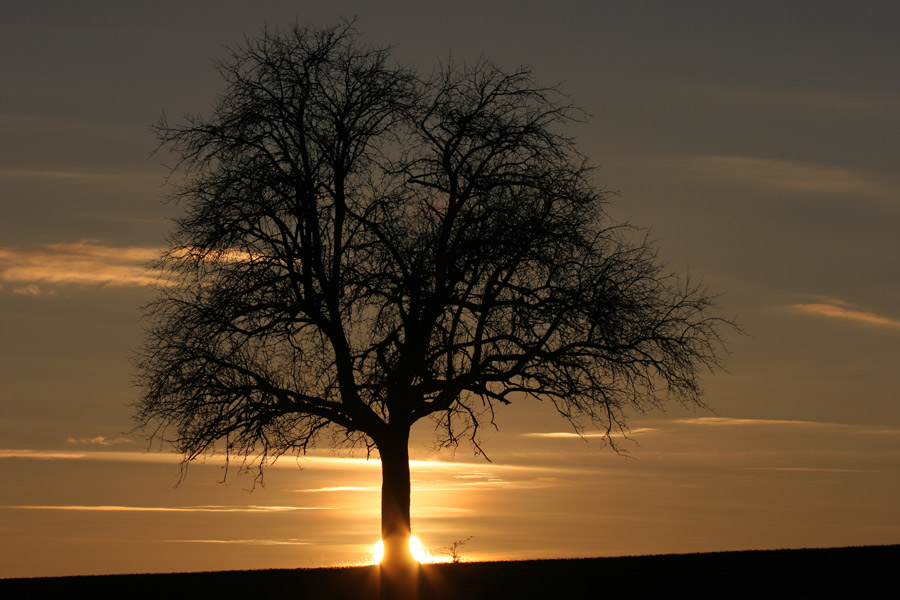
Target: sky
758,142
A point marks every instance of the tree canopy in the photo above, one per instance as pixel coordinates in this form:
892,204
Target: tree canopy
363,246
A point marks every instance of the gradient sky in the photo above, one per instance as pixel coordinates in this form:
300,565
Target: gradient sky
759,142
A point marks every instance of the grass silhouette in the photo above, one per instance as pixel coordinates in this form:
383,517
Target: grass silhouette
865,571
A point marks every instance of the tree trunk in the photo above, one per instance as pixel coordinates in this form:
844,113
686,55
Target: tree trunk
395,492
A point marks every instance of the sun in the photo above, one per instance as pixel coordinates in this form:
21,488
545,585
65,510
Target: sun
419,552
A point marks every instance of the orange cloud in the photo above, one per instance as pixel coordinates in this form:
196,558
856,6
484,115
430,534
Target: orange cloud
39,454
260,542
733,422
344,488
840,312
783,174
208,509
729,421
808,469
98,441
30,269
81,263
32,290
580,436
94,455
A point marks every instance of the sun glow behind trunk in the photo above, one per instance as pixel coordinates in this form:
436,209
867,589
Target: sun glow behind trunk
419,552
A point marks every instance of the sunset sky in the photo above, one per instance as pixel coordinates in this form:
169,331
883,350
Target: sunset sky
759,142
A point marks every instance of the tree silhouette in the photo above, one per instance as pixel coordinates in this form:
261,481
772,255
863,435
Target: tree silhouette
362,247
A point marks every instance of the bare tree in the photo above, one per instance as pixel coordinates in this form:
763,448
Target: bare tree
453,550
363,247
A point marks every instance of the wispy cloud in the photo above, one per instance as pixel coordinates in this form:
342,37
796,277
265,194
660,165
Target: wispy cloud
99,441
490,483
30,270
76,175
344,488
32,290
335,463
840,311
440,512
818,298
732,422
170,509
808,469
529,484
564,435
39,454
568,435
783,174
261,542
81,263
94,455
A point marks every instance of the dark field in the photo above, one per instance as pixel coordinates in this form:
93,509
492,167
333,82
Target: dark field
860,572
